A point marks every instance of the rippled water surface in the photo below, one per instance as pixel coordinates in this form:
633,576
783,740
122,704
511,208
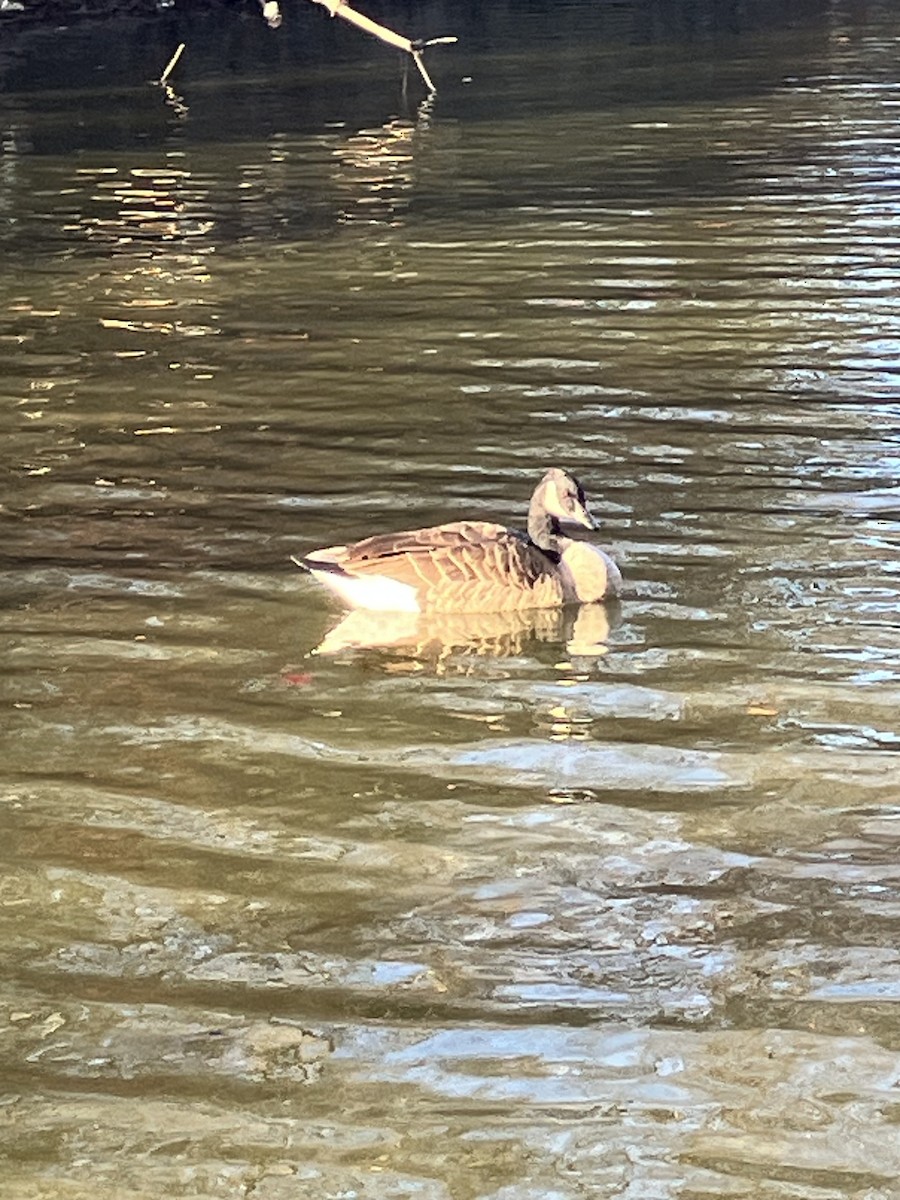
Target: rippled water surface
594,904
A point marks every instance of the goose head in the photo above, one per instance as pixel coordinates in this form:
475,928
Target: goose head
557,500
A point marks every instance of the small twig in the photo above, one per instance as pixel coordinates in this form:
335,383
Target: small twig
417,59
171,65
181,109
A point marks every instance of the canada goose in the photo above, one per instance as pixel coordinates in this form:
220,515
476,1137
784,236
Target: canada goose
476,566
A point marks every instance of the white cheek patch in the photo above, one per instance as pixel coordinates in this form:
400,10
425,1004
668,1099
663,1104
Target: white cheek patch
552,502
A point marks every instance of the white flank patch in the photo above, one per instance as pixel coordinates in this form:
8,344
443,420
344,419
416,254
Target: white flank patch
370,591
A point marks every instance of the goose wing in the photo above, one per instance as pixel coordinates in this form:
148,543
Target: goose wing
464,566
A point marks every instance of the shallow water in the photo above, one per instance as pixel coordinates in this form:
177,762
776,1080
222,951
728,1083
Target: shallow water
555,906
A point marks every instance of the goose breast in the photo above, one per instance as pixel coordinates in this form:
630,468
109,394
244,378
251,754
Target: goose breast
587,574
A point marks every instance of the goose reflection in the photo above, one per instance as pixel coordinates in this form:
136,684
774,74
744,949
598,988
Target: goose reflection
435,639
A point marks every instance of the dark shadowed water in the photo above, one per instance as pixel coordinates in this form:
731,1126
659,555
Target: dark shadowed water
554,907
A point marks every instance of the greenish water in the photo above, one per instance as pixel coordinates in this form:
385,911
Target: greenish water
585,905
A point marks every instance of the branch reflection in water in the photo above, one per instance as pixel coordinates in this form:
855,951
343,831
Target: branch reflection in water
375,169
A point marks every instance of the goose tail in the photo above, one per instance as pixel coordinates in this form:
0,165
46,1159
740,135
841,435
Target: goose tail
315,566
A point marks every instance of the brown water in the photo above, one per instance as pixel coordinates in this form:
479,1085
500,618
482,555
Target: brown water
474,908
